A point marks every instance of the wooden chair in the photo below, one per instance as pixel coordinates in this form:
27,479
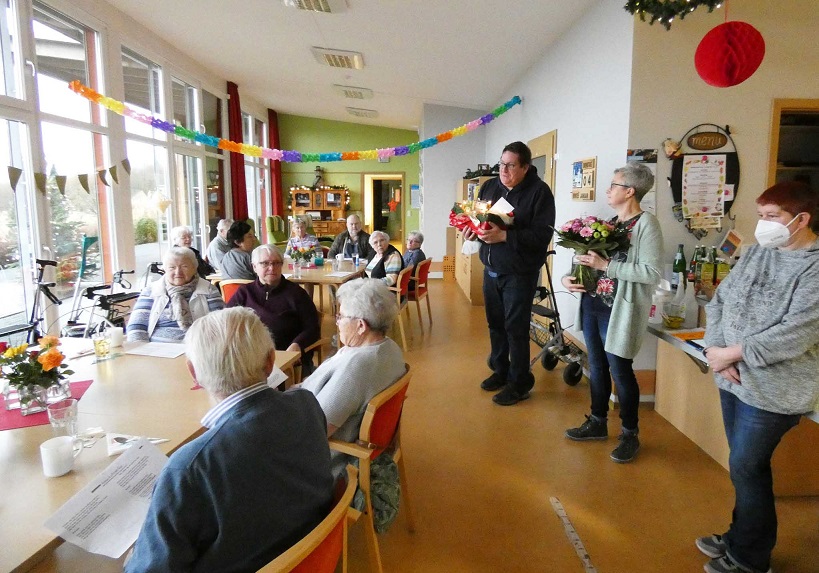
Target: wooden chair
401,289
318,346
228,287
421,291
380,429
320,550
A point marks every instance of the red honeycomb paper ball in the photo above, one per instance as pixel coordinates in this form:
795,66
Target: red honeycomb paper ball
729,54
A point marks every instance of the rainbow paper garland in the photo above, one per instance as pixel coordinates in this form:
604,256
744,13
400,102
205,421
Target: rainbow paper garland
286,156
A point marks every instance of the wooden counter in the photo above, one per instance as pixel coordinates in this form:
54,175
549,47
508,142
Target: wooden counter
689,399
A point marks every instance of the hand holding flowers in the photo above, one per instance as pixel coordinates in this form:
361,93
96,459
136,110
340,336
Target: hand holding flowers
589,237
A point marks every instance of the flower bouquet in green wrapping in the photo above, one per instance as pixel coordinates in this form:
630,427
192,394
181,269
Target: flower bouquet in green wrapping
586,234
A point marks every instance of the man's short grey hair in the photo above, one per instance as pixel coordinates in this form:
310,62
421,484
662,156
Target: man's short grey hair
228,350
271,250
371,300
182,254
224,224
637,175
416,235
377,234
180,231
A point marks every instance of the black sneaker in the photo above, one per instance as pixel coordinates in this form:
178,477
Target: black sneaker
494,382
727,565
712,545
627,449
591,429
509,396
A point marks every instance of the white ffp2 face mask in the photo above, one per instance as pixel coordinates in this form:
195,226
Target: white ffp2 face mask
772,234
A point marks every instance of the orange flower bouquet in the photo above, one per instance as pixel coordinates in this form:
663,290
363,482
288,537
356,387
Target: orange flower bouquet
35,374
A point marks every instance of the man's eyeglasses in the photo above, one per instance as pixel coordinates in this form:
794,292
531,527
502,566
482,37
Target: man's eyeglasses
268,264
507,165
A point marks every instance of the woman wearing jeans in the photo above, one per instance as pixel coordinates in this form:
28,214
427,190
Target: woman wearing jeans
615,317
762,341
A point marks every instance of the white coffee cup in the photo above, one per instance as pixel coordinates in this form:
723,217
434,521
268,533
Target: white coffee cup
116,334
58,455
340,257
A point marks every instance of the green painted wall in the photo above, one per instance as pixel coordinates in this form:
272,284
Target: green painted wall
311,135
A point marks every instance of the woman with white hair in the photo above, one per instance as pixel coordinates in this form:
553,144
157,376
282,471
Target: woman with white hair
182,236
300,238
368,363
414,255
387,262
167,307
285,308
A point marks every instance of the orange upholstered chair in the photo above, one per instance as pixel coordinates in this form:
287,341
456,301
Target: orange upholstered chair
228,287
401,289
421,291
320,550
380,429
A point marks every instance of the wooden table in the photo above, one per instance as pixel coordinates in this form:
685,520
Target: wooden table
322,276
137,395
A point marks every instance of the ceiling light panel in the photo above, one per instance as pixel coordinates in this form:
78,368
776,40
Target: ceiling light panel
325,6
338,58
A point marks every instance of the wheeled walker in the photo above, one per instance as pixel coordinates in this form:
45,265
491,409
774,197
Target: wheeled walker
546,331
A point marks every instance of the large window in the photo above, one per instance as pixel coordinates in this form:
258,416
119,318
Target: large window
214,162
256,173
12,84
142,80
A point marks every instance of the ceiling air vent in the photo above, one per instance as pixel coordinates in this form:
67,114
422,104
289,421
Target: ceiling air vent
338,58
326,6
360,112
352,92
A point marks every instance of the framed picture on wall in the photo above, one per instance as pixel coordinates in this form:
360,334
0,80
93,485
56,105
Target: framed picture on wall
584,179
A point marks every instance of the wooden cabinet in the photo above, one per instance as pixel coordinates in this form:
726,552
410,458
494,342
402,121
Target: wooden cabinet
469,269
326,208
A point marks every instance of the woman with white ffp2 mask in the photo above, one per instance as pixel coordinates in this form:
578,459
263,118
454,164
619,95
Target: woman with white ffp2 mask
762,343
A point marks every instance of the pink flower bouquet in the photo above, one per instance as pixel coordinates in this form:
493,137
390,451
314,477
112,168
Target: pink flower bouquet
586,234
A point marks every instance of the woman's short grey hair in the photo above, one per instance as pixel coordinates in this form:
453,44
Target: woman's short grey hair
377,234
299,220
416,235
179,232
182,254
638,176
271,250
228,350
371,300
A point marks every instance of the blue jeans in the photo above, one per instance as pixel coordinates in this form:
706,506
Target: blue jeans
508,304
753,435
604,365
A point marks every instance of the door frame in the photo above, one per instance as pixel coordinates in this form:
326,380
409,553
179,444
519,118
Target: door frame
367,196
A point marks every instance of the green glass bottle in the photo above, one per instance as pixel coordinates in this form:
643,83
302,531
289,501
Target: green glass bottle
679,266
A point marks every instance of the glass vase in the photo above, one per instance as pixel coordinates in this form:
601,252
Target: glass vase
11,398
32,399
58,391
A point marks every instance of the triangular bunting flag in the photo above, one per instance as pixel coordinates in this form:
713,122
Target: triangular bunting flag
101,174
83,177
113,171
61,179
40,181
14,177
126,165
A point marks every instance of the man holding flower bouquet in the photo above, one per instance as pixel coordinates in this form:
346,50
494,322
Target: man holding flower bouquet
614,313
513,255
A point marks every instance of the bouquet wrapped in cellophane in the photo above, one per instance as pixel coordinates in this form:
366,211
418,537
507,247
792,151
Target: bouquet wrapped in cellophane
476,215
586,234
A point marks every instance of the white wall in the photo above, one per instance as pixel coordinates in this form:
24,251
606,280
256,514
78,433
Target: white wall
442,168
669,98
581,88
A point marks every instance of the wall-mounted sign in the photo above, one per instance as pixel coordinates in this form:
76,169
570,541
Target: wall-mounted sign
707,140
584,177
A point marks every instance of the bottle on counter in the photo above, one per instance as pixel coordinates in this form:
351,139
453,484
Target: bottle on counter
708,272
692,309
692,266
679,266
658,300
723,268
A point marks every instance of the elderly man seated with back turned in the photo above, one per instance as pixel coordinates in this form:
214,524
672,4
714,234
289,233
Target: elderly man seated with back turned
257,480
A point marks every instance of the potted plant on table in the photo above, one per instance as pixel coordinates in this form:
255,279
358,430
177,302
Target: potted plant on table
39,376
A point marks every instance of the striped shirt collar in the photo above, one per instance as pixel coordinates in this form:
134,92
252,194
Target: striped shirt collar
214,414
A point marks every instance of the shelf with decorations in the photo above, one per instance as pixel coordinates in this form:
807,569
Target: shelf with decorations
326,206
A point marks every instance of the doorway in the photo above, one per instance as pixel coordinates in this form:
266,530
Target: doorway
794,151
543,158
383,194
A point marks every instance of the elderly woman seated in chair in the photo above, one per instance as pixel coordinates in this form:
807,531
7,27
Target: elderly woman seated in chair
167,307
300,239
368,363
387,262
286,309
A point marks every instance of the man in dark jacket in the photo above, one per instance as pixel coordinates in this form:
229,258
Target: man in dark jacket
513,257
351,241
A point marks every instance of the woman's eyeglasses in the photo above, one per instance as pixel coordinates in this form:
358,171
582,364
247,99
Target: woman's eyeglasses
268,264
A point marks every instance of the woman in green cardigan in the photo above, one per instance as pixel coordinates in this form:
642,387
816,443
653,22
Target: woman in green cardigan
614,317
